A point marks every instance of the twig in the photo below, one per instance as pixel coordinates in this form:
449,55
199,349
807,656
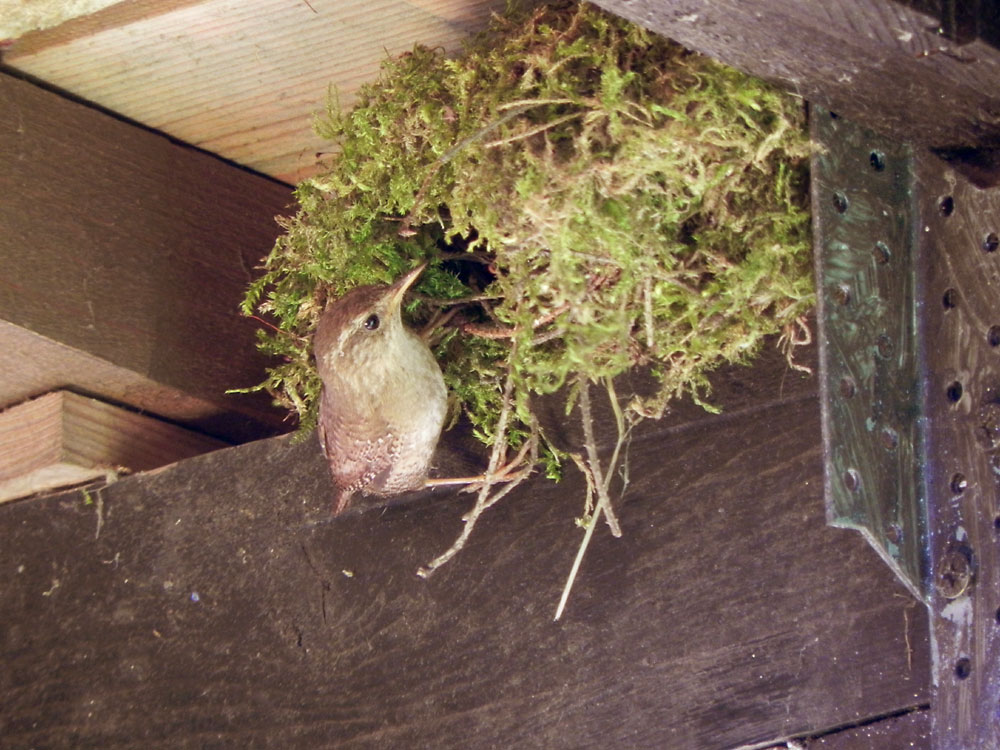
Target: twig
588,505
533,131
591,523
623,434
456,301
602,482
647,311
789,340
509,332
488,331
483,498
599,482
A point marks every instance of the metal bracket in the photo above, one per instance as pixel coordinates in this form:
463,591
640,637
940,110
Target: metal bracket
908,269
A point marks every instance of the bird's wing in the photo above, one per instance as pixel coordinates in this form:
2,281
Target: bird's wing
359,459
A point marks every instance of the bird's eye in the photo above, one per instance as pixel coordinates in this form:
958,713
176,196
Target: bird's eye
371,322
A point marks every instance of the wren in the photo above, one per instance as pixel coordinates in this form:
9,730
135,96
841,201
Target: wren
384,399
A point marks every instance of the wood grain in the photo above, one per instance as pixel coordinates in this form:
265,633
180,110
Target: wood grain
911,730
62,439
880,63
135,251
959,317
232,612
243,80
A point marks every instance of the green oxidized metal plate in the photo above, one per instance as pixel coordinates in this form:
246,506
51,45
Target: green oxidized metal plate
867,275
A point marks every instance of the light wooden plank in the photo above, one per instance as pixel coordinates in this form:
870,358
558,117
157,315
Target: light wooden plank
18,17
241,79
63,438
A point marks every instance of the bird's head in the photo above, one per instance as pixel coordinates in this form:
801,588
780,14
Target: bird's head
361,329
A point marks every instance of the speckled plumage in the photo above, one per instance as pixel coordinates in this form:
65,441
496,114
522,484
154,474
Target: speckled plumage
384,400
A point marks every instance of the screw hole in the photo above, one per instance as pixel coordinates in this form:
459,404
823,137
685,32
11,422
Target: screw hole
834,115
996,522
959,483
840,202
993,336
890,438
884,346
881,253
946,205
991,242
997,615
877,160
852,480
954,392
950,299
848,387
963,668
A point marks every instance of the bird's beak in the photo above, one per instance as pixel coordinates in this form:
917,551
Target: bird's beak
398,290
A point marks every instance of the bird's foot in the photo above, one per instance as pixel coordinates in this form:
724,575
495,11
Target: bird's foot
515,470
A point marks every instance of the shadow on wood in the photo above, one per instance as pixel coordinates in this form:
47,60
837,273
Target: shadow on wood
126,256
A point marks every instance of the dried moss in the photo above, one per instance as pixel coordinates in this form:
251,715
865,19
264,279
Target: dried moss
634,204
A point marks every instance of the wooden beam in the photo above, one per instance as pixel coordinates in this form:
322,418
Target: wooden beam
234,610
125,249
62,439
910,730
241,80
878,62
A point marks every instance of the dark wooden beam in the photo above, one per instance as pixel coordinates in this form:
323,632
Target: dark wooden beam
216,603
878,62
125,256
910,730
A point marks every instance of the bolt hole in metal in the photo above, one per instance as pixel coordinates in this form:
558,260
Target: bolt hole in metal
890,438
884,347
840,202
946,205
881,253
877,160
991,242
894,533
852,480
848,387
958,483
950,299
954,392
963,668
993,336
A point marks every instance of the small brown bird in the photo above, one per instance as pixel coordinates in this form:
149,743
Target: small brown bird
384,400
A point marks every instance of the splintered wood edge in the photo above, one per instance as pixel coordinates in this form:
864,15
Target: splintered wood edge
62,438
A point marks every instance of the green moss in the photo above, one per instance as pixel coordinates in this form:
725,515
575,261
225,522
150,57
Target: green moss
637,205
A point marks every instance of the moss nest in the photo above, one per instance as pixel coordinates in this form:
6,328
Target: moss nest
591,198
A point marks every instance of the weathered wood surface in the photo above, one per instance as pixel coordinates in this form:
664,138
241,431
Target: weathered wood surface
878,62
911,731
958,273
122,246
62,439
216,604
